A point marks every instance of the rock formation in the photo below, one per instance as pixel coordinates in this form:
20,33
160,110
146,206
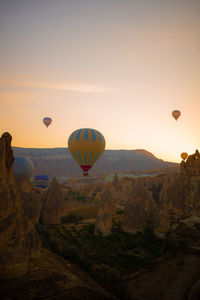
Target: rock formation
17,235
105,213
163,197
54,204
188,228
115,182
192,165
28,271
182,193
31,201
140,209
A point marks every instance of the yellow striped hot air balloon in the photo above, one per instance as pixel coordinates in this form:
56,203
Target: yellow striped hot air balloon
86,146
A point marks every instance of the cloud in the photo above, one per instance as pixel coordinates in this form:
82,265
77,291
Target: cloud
10,81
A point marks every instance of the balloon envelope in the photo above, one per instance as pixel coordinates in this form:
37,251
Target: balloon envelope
41,181
86,146
47,121
31,180
23,168
184,155
176,114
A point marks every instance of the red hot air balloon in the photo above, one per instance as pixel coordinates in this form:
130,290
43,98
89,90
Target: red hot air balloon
47,121
176,114
184,155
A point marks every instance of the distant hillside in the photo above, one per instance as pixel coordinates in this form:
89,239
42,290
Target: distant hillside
59,162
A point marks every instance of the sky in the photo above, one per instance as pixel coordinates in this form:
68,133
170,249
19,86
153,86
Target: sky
118,66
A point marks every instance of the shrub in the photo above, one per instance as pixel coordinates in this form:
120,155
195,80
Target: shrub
169,245
42,231
80,197
116,226
39,228
119,211
70,252
105,273
72,218
53,244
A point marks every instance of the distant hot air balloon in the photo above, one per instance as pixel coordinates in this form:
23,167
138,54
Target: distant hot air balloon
176,114
23,168
184,155
86,146
47,121
41,181
31,180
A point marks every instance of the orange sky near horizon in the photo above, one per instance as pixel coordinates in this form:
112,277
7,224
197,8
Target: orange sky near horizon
120,67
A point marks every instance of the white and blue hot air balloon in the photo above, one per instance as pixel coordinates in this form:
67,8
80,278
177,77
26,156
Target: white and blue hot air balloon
23,168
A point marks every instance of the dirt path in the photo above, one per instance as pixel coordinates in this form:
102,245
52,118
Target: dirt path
172,279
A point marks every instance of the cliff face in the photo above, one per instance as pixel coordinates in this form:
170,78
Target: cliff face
28,271
156,201
105,213
140,208
182,194
31,201
17,235
59,162
191,171
54,204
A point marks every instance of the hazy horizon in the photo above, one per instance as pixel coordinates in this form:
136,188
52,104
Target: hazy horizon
51,148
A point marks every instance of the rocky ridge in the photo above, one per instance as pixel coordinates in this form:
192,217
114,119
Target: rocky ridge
153,200
27,271
59,162
17,235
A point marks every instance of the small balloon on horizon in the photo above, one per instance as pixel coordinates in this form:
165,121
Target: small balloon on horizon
184,155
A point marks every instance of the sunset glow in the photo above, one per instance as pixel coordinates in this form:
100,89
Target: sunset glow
120,67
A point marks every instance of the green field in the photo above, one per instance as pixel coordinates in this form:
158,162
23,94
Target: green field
107,259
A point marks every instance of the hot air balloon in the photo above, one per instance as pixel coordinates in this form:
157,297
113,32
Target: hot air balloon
23,168
47,121
176,114
41,181
86,146
184,155
31,180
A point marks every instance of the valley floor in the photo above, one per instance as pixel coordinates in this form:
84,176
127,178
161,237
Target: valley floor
172,279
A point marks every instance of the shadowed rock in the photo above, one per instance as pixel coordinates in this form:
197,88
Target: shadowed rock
54,204
27,271
18,239
140,209
31,201
105,213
